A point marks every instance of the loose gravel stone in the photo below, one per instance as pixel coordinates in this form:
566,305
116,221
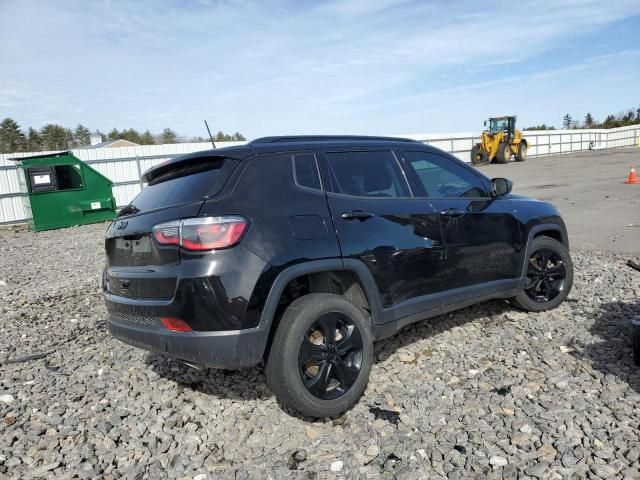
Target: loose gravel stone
484,382
372,451
498,461
406,356
538,470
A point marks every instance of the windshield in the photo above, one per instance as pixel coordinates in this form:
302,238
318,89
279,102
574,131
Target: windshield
497,125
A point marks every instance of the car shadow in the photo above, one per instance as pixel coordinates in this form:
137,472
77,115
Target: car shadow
250,383
244,384
613,354
490,311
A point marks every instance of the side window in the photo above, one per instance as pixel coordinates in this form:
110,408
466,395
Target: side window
441,177
305,170
367,174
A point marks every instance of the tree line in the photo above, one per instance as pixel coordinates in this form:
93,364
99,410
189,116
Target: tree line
622,119
58,137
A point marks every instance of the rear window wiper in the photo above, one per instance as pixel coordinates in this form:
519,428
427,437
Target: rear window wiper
128,210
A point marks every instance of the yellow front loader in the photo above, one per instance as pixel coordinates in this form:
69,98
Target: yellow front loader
499,142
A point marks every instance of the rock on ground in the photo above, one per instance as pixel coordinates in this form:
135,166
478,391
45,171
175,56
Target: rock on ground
549,395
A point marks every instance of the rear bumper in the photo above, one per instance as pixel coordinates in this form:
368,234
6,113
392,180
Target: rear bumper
213,292
223,349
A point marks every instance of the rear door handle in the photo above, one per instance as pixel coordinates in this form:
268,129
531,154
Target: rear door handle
452,212
357,215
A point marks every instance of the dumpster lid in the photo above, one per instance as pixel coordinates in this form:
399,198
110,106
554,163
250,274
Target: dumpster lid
42,155
67,153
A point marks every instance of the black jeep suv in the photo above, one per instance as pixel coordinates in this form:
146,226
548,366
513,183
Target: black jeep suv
299,252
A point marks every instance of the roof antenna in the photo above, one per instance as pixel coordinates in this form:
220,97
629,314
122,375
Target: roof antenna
210,136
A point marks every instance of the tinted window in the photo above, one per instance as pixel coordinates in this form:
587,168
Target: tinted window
367,174
188,183
306,170
441,177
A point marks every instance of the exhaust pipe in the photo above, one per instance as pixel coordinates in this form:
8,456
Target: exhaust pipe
195,366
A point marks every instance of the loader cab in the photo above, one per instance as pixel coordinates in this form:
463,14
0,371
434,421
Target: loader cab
502,124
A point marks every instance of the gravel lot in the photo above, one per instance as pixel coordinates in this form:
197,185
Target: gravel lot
486,392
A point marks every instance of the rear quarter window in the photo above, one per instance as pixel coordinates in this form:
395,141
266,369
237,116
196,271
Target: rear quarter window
305,170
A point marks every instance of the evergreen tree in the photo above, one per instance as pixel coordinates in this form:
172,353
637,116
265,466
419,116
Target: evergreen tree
54,137
544,126
566,121
82,135
168,136
114,134
238,137
11,137
147,138
588,120
628,118
131,135
70,141
34,141
221,136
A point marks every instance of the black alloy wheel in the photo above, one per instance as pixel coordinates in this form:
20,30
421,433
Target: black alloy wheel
546,275
330,356
321,355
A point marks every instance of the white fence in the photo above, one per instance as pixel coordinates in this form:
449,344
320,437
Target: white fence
124,166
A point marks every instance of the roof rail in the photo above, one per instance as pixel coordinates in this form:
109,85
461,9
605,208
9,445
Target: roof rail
325,138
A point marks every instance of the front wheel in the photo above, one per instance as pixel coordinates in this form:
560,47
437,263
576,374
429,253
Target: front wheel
321,355
548,276
521,156
503,154
479,157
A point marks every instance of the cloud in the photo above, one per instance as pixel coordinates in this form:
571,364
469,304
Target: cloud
276,66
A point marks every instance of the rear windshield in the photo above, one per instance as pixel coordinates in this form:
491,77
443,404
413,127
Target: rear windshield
185,184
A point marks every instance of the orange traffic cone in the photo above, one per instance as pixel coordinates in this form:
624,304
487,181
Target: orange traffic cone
632,177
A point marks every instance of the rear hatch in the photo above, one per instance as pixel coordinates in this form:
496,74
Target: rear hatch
137,265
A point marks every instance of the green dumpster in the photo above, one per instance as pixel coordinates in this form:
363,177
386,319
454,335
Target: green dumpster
62,191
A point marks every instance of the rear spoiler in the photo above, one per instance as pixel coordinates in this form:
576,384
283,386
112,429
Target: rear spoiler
206,159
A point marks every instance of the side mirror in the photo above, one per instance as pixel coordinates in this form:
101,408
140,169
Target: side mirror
485,123
500,186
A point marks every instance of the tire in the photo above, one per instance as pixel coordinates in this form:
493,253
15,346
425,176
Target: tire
503,154
479,157
521,156
297,378
545,286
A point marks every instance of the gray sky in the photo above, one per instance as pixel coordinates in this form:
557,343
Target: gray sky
278,67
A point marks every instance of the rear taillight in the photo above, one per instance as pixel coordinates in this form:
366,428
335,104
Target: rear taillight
205,233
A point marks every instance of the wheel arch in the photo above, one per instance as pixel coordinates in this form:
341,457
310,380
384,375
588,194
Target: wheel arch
552,230
319,270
